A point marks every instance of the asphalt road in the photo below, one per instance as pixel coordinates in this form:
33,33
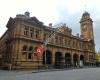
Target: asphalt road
74,74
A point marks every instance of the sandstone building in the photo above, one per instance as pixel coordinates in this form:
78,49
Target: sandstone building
24,34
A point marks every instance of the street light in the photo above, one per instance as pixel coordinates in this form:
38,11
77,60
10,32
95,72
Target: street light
45,46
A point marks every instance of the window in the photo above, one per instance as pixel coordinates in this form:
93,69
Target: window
44,38
24,49
73,44
37,34
29,55
26,31
56,39
69,43
60,41
31,32
65,42
30,48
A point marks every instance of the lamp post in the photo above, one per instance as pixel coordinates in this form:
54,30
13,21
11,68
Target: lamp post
45,46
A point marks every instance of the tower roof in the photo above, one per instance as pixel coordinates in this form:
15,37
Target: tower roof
86,13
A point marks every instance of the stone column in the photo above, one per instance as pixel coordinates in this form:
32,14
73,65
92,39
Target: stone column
53,59
63,59
78,59
72,62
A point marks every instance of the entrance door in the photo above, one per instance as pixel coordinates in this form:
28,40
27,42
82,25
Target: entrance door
58,59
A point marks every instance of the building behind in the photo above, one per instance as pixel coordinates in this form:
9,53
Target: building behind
25,34
97,57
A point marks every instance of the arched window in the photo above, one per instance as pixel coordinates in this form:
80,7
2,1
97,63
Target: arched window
30,52
24,48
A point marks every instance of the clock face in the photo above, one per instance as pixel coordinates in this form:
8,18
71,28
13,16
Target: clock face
84,26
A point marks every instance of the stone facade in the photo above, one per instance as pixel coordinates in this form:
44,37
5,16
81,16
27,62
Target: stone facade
25,33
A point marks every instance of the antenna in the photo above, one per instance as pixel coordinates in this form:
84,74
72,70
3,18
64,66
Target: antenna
85,6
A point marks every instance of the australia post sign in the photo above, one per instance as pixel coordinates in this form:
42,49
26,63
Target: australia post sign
39,51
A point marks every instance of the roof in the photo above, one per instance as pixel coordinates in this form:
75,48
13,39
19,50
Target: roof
86,13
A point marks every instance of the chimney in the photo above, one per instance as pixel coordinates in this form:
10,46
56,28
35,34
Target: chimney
77,34
27,14
81,36
50,25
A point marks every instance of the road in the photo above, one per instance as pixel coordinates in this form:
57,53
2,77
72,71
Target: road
75,74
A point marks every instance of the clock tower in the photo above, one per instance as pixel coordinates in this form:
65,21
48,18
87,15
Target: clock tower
86,25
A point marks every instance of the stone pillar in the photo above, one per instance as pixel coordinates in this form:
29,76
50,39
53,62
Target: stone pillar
72,62
63,59
53,59
88,59
79,60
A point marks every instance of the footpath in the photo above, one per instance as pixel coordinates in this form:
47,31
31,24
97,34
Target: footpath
21,72
63,69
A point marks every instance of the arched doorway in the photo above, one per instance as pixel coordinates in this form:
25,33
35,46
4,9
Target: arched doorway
67,60
75,60
47,57
58,59
81,60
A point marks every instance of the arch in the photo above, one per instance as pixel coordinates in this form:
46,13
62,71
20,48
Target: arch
58,59
67,59
75,60
81,60
82,57
47,57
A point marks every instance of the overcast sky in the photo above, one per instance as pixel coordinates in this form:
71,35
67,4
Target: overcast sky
53,11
